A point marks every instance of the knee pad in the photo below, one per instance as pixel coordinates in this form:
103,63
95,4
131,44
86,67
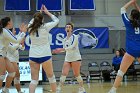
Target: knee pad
62,78
2,77
79,79
16,80
35,82
120,73
52,79
12,74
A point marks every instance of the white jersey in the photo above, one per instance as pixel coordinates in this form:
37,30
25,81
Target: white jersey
6,37
40,46
13,52
72,49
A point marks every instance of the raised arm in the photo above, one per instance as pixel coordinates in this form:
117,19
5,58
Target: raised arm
131,2
124,14
137,6
9,35
46,11
54,21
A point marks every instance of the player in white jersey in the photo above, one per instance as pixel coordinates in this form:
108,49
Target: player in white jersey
6,37
72,59
13,56
40,52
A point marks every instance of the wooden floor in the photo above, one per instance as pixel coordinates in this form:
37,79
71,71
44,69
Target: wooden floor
127,87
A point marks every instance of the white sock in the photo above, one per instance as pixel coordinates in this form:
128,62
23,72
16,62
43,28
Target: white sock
113,88
5,89
20,92
32,88
82,88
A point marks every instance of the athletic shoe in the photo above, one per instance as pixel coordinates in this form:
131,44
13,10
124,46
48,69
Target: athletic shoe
58,90
112,90
21,92
5,90
82,90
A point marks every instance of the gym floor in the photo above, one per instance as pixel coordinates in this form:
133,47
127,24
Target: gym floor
94,87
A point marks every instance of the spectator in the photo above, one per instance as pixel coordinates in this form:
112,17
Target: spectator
117,60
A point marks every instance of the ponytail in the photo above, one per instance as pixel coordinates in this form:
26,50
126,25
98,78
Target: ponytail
135,23
135,18
3,23
38,17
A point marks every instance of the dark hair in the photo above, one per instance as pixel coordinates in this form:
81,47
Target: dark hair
38,17
11,29
71,24
118,51
122,52
135,18
3,23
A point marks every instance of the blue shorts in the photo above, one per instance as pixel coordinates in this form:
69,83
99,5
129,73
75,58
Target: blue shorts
135,54
40,60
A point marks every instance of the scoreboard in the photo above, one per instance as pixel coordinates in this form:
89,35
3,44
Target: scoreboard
17,5
82,5
52,5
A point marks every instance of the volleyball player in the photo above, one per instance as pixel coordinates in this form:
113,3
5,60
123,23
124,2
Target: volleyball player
40,52
132,41
13,56
72,59
6,37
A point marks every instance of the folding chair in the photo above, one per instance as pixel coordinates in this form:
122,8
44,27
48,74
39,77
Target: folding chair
94,71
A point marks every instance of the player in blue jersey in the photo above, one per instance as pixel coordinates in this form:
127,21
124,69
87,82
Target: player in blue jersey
132,25
40,52
6,37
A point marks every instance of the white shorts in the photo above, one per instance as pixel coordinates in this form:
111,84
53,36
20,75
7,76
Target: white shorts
80,60
13,59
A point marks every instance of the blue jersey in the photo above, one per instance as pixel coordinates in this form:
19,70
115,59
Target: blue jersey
117,60
132,35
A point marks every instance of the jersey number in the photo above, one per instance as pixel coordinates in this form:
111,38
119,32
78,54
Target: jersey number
37,35
137,30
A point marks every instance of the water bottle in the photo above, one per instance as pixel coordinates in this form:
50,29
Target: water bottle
88,79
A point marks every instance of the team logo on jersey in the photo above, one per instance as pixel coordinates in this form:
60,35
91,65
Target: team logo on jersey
87,38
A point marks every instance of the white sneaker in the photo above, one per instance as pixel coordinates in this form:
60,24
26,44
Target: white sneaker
112,90
5,90
58,90
82,90
21,92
